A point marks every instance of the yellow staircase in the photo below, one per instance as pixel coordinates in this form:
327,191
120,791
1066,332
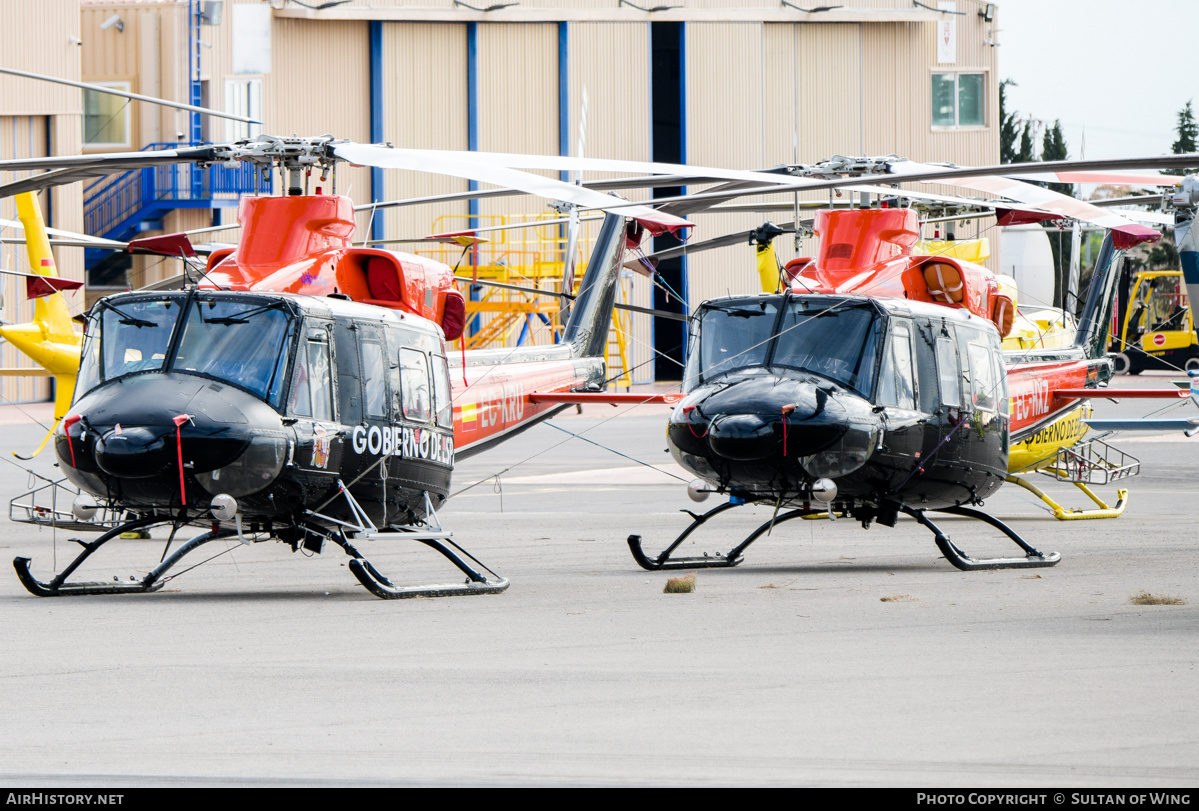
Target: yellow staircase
531,257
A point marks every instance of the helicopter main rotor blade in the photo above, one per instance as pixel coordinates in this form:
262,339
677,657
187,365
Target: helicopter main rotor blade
537,291
1114,178
99,88
112,161
1139,200
459,165
650,182
990,179
735,238
67,242
93,242
682,172
71,168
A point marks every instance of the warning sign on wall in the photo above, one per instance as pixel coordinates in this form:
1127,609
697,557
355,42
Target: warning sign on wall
947,39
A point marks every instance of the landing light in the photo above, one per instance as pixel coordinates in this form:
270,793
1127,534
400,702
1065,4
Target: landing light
698,490
84,507
824,490
224,507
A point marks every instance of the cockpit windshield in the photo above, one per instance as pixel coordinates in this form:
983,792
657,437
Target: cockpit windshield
141,333
241,342
837,340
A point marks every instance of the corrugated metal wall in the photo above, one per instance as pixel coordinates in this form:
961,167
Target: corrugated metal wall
611,60
38,119
332,99
425,107
758,94
518,99
36,37
20,137
150,54
725,128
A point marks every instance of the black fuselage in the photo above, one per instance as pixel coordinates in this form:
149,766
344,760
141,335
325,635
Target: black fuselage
898,402
272,399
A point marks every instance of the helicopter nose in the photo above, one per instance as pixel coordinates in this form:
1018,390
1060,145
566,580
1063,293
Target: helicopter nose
743,437
134,453
151,425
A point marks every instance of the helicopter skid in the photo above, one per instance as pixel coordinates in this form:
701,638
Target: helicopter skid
719,560
382,587
1062,513
1034,559
155,580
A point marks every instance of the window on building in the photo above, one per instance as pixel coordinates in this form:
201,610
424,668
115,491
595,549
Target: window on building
959,99
106,117
243,97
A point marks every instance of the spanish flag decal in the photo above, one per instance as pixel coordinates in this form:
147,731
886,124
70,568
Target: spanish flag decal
469,416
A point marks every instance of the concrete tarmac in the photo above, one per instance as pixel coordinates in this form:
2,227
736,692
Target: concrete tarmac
832,656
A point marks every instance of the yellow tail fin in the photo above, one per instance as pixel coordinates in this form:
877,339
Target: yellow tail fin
50,340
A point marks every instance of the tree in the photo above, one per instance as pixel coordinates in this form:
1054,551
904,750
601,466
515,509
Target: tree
1009,127
1026,154
1053,148
1163,255
1188,133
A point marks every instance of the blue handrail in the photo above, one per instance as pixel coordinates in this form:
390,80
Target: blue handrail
111,203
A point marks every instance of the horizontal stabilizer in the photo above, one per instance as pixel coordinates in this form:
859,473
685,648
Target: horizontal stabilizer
613,399
1119,394
163,245
1159,426
37,285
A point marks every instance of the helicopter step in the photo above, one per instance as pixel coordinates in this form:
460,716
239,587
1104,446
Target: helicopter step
52,505
1033,558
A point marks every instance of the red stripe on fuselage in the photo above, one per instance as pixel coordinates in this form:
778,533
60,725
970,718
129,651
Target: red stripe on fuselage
1033,387
500,396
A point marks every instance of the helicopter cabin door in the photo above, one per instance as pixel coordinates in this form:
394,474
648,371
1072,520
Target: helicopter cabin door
902,390
421,410
312,403
984,387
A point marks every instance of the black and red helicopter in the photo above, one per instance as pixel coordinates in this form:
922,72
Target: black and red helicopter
300,388
875,383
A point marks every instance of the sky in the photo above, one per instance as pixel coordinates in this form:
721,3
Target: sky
1117,70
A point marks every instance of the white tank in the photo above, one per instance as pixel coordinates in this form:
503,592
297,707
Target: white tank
1028,258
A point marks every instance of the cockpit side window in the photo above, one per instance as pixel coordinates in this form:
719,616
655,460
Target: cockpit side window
312,382
414,385
441,392
897,385
89,366
374,378
983,376
950,372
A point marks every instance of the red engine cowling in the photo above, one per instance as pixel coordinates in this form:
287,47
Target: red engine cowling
303,245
